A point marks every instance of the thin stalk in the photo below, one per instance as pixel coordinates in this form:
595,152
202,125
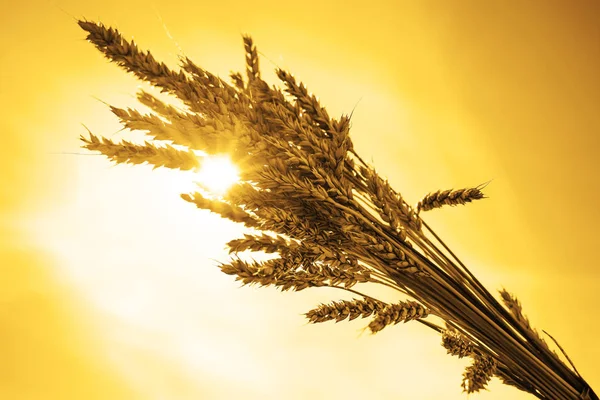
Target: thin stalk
532,339
520,350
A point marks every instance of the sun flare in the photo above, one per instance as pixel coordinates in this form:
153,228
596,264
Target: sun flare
217,174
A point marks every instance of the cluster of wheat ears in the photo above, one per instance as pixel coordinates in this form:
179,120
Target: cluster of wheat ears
329,218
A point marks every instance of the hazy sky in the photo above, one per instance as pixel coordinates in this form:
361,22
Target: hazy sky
109,285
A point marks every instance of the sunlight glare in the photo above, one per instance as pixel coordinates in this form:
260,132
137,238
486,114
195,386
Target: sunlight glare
217,174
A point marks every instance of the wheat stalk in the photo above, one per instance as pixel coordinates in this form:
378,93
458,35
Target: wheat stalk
395,313
341,310
126,152
456,344
450,197
477,375
331,219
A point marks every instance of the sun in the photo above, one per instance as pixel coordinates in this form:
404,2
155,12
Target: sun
217,174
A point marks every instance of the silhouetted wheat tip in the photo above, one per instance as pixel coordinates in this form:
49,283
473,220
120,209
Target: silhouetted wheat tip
449,197
110,42
222,208
237,79
514,306
340,310
477,375
456,344
266,243
395,313
126,152
276,272
252,68
309,103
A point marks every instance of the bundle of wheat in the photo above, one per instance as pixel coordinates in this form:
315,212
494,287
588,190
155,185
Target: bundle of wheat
330,217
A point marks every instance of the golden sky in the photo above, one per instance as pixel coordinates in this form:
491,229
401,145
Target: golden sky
109,288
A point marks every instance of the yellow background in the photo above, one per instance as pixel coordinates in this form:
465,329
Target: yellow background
109,290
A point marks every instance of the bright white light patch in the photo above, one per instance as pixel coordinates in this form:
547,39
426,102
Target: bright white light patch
217,174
